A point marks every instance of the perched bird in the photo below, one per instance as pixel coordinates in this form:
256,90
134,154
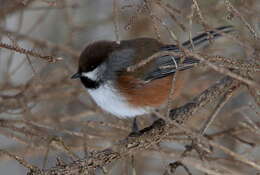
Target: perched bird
103,71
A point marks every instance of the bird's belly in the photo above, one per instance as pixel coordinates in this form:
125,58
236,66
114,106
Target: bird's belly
113,102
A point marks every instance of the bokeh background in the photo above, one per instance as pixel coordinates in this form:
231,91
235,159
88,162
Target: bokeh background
44,114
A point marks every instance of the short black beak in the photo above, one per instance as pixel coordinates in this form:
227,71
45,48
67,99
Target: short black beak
76,75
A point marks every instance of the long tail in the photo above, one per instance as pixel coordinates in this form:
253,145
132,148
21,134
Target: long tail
188,62
202,38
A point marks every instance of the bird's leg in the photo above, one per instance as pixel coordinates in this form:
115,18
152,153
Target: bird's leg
135,128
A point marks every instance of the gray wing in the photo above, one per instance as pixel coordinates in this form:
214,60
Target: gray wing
116,63
168,65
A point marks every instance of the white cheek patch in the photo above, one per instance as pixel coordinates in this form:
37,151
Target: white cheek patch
93,75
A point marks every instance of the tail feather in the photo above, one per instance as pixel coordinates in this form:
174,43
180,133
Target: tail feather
202,38
188,62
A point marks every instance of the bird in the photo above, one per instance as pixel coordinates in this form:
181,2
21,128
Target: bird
103,70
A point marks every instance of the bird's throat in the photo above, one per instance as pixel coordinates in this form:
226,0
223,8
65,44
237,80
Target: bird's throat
89,84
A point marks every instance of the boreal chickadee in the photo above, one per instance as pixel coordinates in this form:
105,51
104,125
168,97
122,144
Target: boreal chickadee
103,71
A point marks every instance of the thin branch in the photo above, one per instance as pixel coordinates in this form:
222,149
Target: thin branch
115,21
234,11
50,59
220,105
19,160
42,43
148,136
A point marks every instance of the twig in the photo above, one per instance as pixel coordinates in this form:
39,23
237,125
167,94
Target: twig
225,71
220,105
148,137
115,21
201,18
236,156
19,160
50,59
43,43
234,11
173,88
199,57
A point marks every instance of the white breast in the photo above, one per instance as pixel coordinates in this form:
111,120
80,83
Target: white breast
111,101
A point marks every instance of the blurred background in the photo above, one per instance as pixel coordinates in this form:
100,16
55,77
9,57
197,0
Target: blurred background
44,114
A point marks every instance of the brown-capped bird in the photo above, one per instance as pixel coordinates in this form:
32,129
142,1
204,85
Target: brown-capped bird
103,71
